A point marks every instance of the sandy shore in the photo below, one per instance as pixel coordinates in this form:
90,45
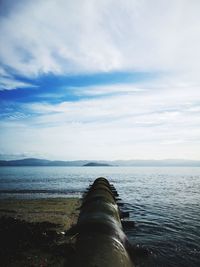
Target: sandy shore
32,231
62,211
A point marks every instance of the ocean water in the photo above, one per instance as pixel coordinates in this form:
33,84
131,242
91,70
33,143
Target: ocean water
164,203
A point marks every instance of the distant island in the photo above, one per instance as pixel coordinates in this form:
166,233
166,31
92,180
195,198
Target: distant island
91,163
96,164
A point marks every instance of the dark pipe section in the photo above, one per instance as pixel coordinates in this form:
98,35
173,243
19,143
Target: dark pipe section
100,239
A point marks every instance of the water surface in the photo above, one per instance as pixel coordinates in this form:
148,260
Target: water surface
164,202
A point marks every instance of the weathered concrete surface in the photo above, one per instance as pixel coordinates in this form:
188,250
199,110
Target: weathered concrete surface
100,240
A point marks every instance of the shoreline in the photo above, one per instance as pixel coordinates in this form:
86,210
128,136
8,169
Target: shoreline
32,231
62,211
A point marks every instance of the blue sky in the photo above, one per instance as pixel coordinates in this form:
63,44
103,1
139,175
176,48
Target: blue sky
100,79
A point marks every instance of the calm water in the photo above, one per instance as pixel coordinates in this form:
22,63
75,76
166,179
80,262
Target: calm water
164,203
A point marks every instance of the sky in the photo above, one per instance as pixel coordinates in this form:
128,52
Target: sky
101,80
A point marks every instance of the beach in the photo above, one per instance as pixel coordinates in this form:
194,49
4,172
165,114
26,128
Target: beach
33,231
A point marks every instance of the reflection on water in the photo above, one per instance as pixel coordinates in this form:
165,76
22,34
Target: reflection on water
164,203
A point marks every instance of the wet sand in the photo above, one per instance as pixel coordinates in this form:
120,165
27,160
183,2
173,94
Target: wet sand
32,232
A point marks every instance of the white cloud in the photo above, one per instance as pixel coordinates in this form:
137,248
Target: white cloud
89,36
136,100
9,83
155,119
106,90
159,123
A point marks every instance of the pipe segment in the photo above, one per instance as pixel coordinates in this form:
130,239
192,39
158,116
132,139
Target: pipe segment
100,240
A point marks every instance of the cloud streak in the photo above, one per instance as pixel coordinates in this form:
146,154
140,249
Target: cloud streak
92,36
100,79
119,126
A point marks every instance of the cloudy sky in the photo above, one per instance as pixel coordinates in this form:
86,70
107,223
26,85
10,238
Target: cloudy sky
109,79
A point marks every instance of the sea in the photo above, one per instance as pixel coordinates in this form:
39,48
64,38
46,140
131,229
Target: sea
164,203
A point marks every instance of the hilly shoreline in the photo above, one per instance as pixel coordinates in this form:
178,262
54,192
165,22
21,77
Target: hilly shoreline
90,163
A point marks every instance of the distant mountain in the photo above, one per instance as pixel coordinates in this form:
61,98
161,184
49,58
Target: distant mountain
76,163
96,164
41,162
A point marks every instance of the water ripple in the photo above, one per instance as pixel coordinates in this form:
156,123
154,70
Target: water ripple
163,202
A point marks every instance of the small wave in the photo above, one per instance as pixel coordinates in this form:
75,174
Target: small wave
41,191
